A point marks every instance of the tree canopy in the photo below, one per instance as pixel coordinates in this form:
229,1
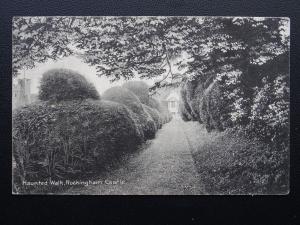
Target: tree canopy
37,39
170,49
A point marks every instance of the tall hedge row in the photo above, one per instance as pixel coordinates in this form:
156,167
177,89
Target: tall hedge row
71,137
70,133
227,102
184,106
126,97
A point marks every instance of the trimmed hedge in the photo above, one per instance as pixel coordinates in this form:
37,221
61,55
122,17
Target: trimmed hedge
162,109
155,116
193,91
128,98
69,139
185,115
64,84
184,107
210,108
140,89
155,104
203,105
149,125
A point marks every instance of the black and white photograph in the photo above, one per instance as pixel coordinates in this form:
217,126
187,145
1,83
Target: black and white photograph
150,105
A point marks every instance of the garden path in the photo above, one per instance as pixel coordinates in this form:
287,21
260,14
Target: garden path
163,167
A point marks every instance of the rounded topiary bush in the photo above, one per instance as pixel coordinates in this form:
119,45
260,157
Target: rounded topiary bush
185,115
161,108
70,138
155,115
194,101
64,84
140,89
210,107
184,105
149,126
154,103
204,113
128,98
216,106
191,93
203,104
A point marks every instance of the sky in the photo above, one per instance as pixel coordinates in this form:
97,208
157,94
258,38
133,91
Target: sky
73,63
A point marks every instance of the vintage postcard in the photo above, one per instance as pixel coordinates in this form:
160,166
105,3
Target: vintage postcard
150,105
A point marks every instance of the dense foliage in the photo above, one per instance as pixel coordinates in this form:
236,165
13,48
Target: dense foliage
37,39
234,163
161,108
155,116
140,89
63,84
126,97
184,113
243,82
70,138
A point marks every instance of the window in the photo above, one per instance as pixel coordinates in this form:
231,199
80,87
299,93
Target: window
173,104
